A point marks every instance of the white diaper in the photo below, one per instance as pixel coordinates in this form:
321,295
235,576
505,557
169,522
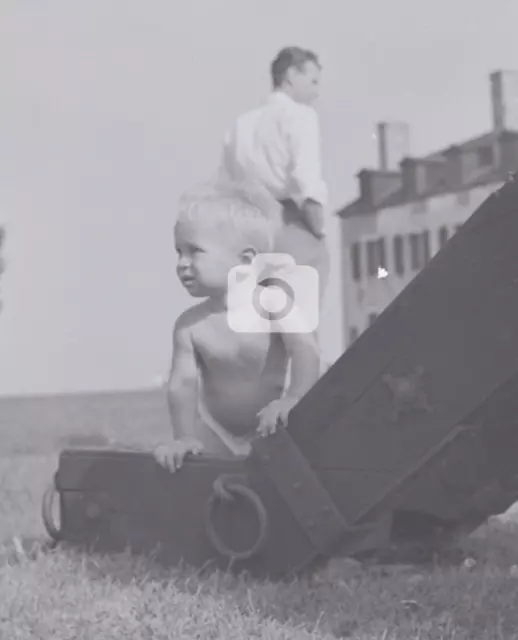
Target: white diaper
238,446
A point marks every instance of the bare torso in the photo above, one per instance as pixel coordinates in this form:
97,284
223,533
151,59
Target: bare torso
240,372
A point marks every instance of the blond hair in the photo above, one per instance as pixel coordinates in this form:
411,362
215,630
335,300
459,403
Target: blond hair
240,211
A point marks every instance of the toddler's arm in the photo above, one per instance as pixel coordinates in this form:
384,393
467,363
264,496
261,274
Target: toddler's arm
182,399
304,357
182,386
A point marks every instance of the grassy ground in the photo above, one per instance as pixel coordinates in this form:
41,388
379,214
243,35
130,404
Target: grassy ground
58,595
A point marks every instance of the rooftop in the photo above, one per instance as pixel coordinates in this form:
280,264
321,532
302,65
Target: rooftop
443,180
482,160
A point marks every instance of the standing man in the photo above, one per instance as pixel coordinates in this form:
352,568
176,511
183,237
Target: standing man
278,146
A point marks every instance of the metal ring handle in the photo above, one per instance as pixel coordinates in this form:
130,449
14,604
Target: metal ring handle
46,512
249,494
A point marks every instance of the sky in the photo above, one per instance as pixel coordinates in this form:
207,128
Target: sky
109,109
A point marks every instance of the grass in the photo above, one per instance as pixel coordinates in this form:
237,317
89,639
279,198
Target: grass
66,595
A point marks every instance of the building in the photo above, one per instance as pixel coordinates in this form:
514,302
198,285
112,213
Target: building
409,207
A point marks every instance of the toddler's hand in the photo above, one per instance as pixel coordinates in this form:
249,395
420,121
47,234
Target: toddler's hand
171,455
275,414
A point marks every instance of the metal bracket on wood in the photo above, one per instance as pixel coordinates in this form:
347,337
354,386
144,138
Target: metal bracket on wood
408,392
312,506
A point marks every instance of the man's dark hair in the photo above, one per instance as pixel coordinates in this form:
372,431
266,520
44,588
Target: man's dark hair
290,57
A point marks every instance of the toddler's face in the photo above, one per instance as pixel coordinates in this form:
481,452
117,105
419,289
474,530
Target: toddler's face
205,258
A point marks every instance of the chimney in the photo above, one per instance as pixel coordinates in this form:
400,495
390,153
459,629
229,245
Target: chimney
504,98
393,144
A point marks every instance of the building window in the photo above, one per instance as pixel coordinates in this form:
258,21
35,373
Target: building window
399,255
443,236
415,258
376,256
419,250
353,335
485,157
425,243
372,258
356,263
463,198
382,256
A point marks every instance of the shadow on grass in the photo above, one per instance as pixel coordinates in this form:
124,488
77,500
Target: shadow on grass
345,599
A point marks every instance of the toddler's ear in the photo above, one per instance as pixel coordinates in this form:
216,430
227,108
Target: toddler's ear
248,254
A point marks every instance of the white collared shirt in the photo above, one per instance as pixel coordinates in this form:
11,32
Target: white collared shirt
277,144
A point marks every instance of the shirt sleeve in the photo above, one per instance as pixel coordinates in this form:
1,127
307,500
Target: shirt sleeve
306,156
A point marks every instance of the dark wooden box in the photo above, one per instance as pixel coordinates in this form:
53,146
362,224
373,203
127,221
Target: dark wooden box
114,499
